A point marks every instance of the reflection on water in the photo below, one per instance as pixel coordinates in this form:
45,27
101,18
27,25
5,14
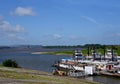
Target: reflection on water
44,62
104,79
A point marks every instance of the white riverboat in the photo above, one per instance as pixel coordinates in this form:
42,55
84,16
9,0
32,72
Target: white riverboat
74,66
80,65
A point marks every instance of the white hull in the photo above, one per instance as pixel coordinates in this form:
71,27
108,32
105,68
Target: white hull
71,67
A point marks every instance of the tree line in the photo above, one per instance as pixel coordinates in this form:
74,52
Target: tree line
97,46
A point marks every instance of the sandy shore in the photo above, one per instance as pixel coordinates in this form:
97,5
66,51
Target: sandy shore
38,52
52,53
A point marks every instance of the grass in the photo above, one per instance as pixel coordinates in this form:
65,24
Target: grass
67,52
38,77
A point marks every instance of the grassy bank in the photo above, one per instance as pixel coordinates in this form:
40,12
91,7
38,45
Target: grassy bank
71,52
24,76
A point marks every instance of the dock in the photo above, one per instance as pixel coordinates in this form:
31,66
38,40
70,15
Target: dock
105,73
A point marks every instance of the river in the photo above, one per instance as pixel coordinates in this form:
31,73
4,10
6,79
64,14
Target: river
43,62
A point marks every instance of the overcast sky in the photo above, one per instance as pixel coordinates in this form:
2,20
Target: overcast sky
59,22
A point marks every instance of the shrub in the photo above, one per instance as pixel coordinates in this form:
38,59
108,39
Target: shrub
10,63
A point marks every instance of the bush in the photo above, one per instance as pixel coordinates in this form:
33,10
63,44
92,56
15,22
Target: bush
10,63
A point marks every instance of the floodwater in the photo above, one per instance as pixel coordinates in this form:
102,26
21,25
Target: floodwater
44,62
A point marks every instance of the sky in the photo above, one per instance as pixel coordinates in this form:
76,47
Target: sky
59,22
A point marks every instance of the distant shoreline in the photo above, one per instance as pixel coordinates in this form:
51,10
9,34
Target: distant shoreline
39,52
52,53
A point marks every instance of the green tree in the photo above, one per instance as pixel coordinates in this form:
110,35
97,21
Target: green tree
10,63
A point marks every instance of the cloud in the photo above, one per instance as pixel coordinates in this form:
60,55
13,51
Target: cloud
7,30
89,19
15,37
73,37
57,36
53,36
19,28
22,11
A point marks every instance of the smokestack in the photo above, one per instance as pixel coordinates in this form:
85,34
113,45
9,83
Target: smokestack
104,51
112,51
94,53
88,51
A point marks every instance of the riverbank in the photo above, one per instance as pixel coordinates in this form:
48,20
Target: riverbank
68,53
71,52
25,76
